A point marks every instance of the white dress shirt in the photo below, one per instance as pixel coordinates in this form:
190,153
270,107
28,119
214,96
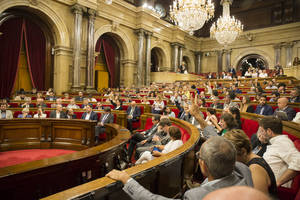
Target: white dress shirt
282,155
87,117
57,115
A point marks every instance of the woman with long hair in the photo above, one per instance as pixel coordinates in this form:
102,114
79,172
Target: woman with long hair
245,105
262,175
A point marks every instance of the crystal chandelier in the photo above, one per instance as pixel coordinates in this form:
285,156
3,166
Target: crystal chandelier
190,15
227,28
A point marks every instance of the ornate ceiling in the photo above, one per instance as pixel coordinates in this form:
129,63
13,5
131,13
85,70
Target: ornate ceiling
253,14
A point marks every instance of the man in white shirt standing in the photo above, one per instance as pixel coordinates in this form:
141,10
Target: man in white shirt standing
281,155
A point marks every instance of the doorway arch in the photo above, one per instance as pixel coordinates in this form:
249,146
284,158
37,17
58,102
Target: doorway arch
157,59
35,55
108,62
252,60
188,63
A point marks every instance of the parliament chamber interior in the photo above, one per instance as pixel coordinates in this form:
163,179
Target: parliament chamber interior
149,99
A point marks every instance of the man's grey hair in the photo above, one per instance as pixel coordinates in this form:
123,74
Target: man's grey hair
219,155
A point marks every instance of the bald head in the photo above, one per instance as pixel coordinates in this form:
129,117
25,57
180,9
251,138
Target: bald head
282,102
236,192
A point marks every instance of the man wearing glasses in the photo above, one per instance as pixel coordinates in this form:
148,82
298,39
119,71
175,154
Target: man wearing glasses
217,160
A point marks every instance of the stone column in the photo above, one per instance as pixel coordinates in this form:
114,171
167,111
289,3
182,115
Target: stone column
140,33
90,61
128,68
198,56
228,59
277,53
289,54
174,56
148,58
77,10
220,59
180,55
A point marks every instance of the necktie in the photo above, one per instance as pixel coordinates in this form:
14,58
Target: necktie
262,110
104,118
131,111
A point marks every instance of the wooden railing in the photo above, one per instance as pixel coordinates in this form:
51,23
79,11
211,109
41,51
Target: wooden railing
163,175
40,178
158,174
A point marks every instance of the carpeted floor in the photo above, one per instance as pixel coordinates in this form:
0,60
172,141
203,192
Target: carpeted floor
9,158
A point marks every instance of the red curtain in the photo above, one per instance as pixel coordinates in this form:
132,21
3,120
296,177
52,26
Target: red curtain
109,54
10,47
110,61
35,45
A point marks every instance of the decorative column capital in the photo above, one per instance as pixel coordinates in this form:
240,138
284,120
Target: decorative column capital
140,32
226,1
78,9
148,33
288,44
277,46
198,53
177,44
92,13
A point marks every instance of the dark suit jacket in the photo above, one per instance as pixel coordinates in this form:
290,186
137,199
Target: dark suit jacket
93,116
268,110
250,109
219,106
136,113
295,100
290,112
109,119
49,97
232,70
91,105
78,98
151,131
62,114
115,105
43,105
74,116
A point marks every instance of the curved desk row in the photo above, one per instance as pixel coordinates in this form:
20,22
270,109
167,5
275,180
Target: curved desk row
158,175
40,178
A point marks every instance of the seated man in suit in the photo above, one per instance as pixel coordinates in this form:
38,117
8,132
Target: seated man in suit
70,114
263,108
133,115
40,103
4,113
86,102
161,137
283,107
106,118
80,96
89,114
58,113
51,96
27,103
217,160
143,136
58,102
216,104
295,95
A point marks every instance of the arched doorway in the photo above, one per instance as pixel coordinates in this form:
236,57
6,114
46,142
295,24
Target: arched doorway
26,60
107,66
252,60
187,63
157,59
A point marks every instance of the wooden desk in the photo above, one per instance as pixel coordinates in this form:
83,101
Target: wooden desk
40,178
